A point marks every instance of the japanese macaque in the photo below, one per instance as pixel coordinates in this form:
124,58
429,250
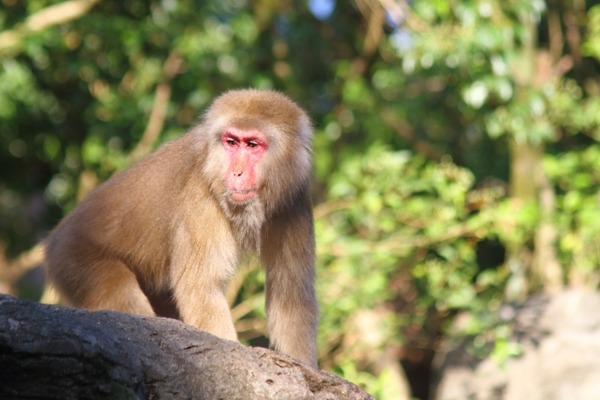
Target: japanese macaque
170,230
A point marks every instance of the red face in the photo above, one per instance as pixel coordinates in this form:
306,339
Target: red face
244,148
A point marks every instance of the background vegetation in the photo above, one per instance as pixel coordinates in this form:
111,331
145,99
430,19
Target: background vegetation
457,148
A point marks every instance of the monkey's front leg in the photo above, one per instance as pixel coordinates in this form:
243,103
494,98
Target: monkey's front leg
292,309
292,316
206,309
199,294
198,280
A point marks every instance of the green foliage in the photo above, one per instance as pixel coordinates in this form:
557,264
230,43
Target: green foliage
577,174
384,386
392,213
592,45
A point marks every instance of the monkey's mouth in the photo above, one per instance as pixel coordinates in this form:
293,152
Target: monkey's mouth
240,196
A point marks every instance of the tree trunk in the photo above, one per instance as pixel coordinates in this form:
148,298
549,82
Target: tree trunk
53,352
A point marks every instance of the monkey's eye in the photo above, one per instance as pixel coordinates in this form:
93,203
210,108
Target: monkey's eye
230,142
252,144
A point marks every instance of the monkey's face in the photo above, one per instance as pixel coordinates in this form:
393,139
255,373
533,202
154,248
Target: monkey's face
245,148
256,149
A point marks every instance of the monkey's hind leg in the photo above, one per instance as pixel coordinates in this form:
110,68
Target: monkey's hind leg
108,285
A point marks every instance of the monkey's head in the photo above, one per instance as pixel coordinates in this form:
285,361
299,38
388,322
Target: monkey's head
258,147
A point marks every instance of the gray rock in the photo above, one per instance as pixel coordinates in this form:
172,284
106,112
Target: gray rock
559,335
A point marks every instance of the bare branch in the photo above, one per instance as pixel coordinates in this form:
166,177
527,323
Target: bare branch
156,122
11,40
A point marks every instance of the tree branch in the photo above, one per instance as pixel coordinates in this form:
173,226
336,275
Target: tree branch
156,122
58,352
11,41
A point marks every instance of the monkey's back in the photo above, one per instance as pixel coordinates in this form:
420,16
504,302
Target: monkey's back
129,218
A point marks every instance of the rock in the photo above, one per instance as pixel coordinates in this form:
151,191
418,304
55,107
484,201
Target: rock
559,335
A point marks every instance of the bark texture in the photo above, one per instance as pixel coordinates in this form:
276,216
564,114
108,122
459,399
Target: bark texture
54,352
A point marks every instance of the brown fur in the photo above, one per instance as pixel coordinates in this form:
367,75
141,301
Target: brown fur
165,227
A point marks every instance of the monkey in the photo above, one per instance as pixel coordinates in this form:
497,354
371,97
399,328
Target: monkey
172,228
